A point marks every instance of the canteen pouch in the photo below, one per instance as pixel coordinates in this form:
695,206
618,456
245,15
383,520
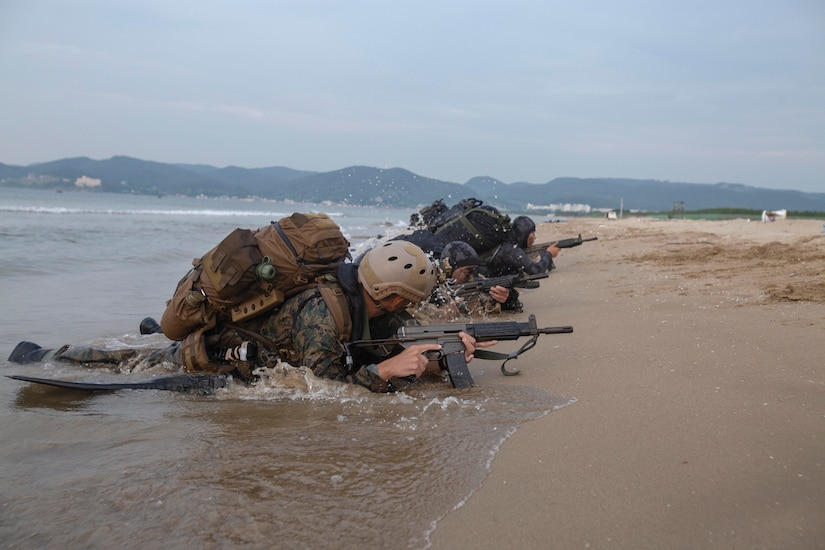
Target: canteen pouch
187,310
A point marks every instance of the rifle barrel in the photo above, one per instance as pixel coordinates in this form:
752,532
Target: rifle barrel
518,280
556,330
561,243
497,330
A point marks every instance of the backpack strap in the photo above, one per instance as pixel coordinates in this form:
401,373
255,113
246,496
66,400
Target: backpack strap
288,243
336,301
488,257
473,230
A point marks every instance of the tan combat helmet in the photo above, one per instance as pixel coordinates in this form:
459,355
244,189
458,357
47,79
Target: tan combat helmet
397,267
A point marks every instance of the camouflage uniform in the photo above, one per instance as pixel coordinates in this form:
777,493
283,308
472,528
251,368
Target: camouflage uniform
303,332
443,305
474,306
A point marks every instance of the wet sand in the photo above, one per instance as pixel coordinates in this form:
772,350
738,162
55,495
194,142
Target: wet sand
698,362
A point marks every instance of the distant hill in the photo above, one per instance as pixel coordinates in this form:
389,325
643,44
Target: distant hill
367,186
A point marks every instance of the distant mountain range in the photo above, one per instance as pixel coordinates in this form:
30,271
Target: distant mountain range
363,185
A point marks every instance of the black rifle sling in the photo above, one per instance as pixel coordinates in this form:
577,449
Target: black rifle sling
495,356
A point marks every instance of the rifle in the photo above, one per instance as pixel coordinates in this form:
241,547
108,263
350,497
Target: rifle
564,243
517,280
451,355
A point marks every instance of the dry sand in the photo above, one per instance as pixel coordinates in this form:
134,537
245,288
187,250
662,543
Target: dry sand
698,365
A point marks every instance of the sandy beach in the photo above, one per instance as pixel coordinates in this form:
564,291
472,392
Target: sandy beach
697,363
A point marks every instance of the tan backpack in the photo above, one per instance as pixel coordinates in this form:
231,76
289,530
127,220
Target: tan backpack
250,272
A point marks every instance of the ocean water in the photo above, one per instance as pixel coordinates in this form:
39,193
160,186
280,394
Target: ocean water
290,462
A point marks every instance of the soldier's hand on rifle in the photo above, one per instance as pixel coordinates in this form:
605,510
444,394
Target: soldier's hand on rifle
500,294
410,362
553,249
470,345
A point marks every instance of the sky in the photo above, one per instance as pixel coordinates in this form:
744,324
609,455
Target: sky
522,91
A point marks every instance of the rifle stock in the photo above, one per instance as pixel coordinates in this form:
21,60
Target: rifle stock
563,243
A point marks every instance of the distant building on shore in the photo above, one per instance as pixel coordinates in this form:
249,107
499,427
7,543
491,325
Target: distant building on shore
85,181
561,207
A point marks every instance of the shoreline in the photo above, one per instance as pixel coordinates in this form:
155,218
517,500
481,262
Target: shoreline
697,367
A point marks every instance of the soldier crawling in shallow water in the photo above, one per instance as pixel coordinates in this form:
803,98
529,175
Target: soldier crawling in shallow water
459,264
303,331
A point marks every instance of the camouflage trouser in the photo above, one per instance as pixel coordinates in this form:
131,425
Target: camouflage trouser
126,359
138,359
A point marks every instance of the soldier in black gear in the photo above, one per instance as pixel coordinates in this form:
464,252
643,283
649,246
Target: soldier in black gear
509,257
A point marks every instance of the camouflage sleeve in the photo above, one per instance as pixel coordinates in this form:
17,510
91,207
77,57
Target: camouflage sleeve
316,343
370,380
317,346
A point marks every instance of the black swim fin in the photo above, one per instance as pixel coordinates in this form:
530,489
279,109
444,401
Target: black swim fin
205,385
27,352
150,326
